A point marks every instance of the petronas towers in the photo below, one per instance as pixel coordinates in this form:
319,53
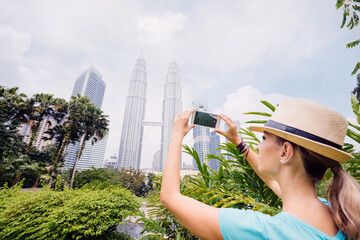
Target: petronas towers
171,107
132,130
133,122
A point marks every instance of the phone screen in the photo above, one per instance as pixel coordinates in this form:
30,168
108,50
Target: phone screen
205,119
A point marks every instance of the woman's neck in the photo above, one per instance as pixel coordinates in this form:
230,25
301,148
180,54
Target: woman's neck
296,190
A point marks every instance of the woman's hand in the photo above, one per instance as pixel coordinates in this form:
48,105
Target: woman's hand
181,123
231,133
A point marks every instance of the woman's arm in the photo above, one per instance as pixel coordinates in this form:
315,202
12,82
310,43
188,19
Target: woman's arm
199,218
252,157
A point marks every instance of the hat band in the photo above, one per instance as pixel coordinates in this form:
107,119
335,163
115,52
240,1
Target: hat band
301,133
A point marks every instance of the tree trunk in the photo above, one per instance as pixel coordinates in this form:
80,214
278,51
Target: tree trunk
17,178
36,181
34,128
56,160
52,176
77,160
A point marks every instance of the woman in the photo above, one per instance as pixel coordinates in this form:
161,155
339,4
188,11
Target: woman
301,141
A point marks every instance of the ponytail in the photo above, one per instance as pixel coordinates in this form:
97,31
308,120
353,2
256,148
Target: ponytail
344,197
343,192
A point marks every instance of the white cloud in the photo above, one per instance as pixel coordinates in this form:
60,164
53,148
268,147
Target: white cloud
45,45
13,43
160,29
247,99
227,35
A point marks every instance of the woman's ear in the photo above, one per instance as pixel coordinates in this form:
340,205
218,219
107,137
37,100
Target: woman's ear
287,152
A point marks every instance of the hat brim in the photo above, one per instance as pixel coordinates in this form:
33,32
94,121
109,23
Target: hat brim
320,148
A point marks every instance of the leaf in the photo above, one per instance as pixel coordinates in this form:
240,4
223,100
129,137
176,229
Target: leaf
355,104
269,105
194,154
353,44
349,148
257,121
356,68
354,126
259,113
350,25
344,19
355,136
339,3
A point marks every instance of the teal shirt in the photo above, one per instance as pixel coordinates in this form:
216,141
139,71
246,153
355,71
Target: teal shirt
247,224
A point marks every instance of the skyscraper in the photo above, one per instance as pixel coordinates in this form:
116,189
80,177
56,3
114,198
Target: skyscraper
213,145
39,142
171,107
132,130
90,84
111,163
201,136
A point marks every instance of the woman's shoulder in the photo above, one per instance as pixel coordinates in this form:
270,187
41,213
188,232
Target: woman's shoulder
252,224
245,223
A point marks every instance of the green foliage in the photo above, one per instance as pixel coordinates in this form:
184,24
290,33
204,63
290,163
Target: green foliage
353,166
77,118
68,214
235,185
356,68
12,108
353,44
93,122
350,19
161,224
131,179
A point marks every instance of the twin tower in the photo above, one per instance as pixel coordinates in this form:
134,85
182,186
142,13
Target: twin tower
133,123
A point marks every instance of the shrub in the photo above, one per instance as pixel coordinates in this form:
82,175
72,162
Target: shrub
68,214
131,179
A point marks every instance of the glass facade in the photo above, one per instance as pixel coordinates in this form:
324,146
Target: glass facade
89,83
213,145
171,107
201,137
132,129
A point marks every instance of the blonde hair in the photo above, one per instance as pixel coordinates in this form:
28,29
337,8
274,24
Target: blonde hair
343,192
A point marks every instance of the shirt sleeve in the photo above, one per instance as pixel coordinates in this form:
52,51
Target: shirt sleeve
241,224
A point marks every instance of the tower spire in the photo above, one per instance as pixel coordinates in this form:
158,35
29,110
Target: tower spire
171,107
132,130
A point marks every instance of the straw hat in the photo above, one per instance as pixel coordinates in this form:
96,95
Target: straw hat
310,125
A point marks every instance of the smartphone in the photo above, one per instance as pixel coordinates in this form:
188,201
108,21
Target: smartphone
205,119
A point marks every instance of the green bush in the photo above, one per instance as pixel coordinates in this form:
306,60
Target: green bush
131,179
68,214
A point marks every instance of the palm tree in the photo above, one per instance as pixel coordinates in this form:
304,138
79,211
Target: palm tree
68,131
12,106
95,125
40,106
64,134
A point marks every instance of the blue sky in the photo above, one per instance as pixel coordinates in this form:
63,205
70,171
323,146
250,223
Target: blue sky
231,54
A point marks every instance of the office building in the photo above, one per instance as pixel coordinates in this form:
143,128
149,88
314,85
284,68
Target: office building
39,142
213,146
171,107
90,84
201,136
132,129
111,163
